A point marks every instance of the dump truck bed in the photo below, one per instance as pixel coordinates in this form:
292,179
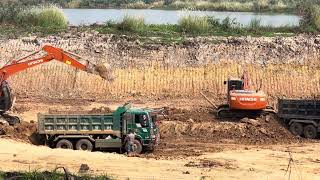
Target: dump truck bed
78,124
298,109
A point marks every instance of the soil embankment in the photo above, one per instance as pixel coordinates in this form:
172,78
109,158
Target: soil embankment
123,51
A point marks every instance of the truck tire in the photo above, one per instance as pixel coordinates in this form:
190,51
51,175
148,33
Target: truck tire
296,129
64,144
310,132
137,148
84,145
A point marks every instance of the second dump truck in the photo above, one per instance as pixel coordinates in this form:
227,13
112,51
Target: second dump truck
301,116
100,131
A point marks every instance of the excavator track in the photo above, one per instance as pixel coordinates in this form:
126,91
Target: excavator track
12,120
224,112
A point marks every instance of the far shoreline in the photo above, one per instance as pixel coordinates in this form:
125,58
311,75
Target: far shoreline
178,9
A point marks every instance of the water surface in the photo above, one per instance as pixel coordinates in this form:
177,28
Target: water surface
78,17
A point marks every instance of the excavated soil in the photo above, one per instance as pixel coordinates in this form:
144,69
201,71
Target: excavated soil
194,132
188,132
202,124
24,132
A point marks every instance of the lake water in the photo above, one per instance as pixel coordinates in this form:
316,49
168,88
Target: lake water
90,16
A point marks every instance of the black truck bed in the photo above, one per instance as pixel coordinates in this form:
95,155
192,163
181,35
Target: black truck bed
298,109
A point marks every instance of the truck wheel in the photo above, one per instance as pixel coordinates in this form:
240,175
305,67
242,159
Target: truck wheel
296,129
137,147
310,132
84,145
64,144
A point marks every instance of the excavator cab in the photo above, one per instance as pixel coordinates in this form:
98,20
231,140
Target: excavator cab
5,97
6,102
234,84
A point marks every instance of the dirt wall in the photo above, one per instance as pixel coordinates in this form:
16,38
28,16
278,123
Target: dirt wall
281,66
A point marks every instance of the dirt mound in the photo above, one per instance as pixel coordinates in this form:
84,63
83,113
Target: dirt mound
21,132
202,125
207,163
105,71
100,110
195,115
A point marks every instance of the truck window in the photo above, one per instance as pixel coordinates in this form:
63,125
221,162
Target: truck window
142,119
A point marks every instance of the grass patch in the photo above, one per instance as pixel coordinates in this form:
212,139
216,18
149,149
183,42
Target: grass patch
310,21
194,24
137,5
131,24
217,5
47,175
48,16
315,13
190,26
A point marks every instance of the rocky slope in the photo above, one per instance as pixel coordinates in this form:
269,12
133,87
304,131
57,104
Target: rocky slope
122,51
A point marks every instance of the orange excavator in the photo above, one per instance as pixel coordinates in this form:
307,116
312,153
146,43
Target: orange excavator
52,53
242,102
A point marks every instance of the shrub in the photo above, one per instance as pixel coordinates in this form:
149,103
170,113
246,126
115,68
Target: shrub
316,16
310,17
227,23
255,24
74,4
137,5
130,23
48,16
8,12
194,24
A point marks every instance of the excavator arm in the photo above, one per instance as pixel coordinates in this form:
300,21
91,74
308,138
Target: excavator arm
53,53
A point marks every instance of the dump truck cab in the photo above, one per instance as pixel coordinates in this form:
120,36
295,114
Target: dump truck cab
143,124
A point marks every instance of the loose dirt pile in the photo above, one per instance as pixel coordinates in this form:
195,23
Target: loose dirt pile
202,124
105,71
98,110
21,132
194,132
207,163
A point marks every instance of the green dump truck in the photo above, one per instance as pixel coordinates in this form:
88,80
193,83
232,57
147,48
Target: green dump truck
100,131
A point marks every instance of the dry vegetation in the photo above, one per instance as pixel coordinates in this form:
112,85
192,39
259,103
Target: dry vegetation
60,81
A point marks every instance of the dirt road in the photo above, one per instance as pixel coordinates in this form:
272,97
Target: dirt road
241,163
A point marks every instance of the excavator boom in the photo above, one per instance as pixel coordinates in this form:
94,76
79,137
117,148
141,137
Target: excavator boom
52,53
